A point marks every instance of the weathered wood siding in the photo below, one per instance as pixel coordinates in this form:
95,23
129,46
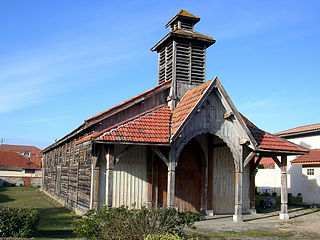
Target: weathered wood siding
223,180
130,178
67,174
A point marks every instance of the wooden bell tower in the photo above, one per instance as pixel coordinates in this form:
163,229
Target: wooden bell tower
182,55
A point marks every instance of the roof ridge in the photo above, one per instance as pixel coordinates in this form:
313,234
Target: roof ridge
127,101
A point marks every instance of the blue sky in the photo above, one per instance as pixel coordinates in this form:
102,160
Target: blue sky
64,61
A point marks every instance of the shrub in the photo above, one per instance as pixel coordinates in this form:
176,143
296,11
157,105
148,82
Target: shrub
124,223
166,236
18,222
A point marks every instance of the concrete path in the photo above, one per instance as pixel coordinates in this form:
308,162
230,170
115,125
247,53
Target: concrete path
301,219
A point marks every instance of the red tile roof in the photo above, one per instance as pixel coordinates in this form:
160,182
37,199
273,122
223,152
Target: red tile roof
267,162
312,158
267,141
152,126
15,160
130,100
20,148
84,139
301,129
186,105
35,153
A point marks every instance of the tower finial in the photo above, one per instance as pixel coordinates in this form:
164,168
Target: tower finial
183,20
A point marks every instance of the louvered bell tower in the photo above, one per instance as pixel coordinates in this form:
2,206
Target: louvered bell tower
182,56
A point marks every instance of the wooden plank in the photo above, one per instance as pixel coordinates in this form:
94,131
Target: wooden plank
257,162
248,159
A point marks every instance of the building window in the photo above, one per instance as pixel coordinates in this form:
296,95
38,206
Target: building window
30,171
310,171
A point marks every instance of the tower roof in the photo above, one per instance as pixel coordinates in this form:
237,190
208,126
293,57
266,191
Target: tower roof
183,14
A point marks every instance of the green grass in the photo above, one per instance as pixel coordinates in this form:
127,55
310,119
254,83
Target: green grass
55,220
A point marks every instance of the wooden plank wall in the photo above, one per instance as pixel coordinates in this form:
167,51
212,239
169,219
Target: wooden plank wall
130,181
67,174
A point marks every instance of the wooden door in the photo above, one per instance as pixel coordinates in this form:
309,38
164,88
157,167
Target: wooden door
188,184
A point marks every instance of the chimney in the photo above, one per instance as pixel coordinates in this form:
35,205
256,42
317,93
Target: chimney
182,55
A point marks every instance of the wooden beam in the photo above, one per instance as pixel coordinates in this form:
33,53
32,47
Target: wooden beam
228,115
160,155
244,141
257,162
248,159
123,153
276,160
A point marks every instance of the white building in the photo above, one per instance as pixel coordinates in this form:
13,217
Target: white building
303,172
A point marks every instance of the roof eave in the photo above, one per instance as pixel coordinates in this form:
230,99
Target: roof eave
208,41
280,152
66,137
305,163
131,143
298,134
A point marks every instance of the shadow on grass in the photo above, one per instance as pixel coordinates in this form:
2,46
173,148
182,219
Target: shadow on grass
56,223
4,197
55,234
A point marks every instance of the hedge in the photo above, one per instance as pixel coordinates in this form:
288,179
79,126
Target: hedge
18,222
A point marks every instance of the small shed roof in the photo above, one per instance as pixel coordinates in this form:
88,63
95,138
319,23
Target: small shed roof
268,141
301,129
312,158
185,15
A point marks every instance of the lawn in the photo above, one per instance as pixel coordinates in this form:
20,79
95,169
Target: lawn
55,220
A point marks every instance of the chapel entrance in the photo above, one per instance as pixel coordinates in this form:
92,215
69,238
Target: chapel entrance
190,178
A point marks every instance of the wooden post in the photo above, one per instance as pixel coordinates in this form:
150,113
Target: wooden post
237,217
171,183
284,191
92,192
150,156
252,188
109,174
95,188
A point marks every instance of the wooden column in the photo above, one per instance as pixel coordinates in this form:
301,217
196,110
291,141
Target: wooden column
252,188
150,156
109,174
171,183
94,184
237,217
284,191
